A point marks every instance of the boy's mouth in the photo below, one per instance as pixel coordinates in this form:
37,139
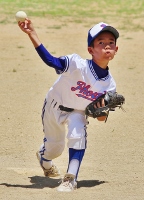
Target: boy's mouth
108,55
108,52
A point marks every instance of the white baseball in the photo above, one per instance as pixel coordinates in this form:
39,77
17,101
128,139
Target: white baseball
20,16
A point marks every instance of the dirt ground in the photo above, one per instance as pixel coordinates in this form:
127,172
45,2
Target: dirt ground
113,166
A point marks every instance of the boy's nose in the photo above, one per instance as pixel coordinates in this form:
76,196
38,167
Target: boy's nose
107,47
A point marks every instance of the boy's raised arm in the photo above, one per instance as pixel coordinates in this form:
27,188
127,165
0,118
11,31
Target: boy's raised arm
28,28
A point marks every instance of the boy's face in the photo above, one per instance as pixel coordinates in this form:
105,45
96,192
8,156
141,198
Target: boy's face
104,48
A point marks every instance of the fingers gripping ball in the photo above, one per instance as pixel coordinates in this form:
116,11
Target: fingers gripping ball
112,101
20,16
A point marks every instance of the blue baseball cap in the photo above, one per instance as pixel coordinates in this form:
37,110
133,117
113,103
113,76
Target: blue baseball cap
98,28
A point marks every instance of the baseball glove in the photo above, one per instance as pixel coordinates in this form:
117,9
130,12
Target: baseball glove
112,100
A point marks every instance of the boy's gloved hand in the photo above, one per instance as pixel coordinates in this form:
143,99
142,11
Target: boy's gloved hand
111,100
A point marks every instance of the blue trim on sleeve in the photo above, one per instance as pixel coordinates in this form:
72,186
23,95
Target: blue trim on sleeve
65,62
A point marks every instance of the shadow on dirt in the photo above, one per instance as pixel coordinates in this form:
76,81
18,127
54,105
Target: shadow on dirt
39,182
89,183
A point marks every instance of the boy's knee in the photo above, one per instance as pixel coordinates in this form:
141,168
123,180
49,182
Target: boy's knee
53,150
77,143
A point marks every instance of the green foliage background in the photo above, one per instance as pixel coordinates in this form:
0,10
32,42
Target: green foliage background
129,12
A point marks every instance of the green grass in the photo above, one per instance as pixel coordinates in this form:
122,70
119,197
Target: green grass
80,10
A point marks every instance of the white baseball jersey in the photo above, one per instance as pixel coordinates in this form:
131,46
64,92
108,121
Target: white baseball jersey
79,85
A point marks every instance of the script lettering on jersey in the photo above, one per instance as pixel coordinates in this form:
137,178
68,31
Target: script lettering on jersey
84,91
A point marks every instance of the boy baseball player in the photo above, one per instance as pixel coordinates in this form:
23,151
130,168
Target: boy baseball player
80,82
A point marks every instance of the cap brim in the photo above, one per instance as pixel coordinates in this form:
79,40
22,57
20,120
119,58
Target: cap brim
112,30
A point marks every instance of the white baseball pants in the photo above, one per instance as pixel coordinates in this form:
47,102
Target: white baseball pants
54,121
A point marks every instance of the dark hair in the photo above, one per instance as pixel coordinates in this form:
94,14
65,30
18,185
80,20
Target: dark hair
92,43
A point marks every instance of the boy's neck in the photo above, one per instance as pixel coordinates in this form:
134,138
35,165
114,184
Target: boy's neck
102,65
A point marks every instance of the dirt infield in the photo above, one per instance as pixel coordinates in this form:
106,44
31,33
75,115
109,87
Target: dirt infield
113,166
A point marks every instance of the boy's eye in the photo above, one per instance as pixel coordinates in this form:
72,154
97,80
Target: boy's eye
101,42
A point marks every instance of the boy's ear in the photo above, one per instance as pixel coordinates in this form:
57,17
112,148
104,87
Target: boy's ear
90,50
116,49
